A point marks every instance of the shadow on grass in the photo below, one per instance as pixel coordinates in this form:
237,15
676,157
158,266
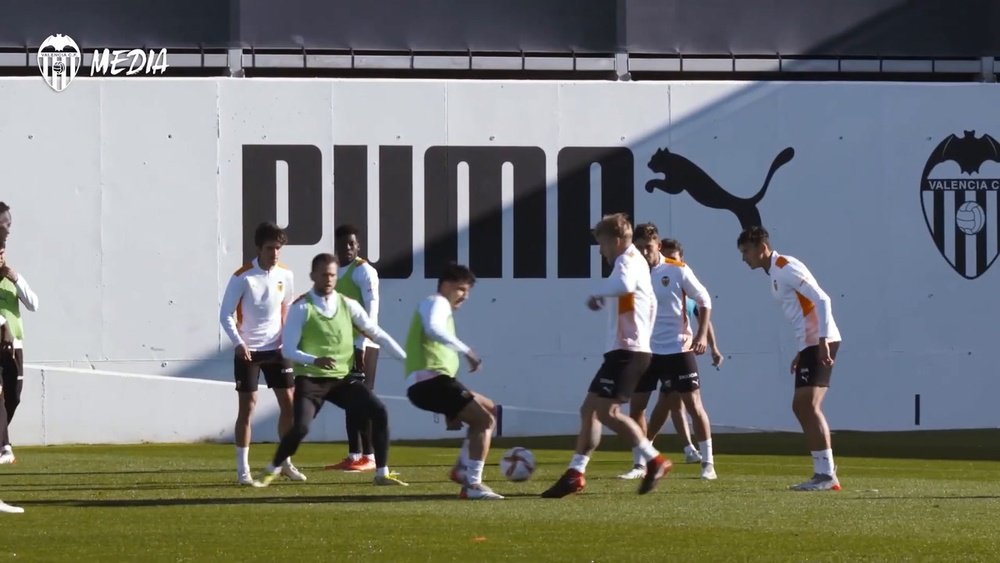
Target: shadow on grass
235,501
120,472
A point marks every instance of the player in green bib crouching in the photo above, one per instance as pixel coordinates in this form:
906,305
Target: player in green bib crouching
432,362
319,338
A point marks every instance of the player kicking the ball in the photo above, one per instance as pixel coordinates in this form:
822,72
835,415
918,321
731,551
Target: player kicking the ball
632,312
810,311
674,351
319,338
432,362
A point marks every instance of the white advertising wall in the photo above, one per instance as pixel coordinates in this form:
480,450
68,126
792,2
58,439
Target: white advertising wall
129,217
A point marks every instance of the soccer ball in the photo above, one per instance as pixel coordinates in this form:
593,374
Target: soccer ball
517,464
970,218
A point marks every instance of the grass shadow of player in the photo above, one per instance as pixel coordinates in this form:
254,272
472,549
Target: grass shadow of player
237,501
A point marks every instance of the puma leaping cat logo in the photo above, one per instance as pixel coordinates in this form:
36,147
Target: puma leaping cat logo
681,174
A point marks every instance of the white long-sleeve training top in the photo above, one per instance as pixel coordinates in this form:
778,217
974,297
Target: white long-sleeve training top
632,311
803,301
254,303
673,283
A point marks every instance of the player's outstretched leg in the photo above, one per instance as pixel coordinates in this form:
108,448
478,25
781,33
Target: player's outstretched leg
573,480
305,408
286,417
355,396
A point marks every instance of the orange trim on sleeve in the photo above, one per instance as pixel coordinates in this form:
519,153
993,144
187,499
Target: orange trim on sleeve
781,262
673,262
239,312
243,269
626,303
805,303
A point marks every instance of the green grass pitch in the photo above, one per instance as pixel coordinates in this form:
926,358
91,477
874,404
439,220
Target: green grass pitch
914,496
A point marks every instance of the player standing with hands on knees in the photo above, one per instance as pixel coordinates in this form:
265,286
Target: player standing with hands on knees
432,362
810,311
627,294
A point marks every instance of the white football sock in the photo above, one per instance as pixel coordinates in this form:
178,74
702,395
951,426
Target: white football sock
354,456
243,459
474,475
706,451
381,471
637,457
647,449
823,462
579,463
370,457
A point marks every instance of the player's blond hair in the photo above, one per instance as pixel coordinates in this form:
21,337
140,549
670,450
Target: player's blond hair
614,225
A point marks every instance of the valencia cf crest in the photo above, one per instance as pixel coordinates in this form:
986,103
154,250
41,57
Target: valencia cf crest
665,280
958,191
59,60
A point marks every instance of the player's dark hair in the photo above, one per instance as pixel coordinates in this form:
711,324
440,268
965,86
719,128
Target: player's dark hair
456,273
669,245
646,231
753,235
269,232
346,231
323,260
4,207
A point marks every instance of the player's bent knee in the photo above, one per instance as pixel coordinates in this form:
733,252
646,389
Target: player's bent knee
482,419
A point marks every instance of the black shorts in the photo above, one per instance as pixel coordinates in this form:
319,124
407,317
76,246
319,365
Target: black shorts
674,372
619,374
341,392
277,371
809,372
443,394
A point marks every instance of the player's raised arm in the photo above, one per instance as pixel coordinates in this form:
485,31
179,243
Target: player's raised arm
623,280
434,314
367,326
